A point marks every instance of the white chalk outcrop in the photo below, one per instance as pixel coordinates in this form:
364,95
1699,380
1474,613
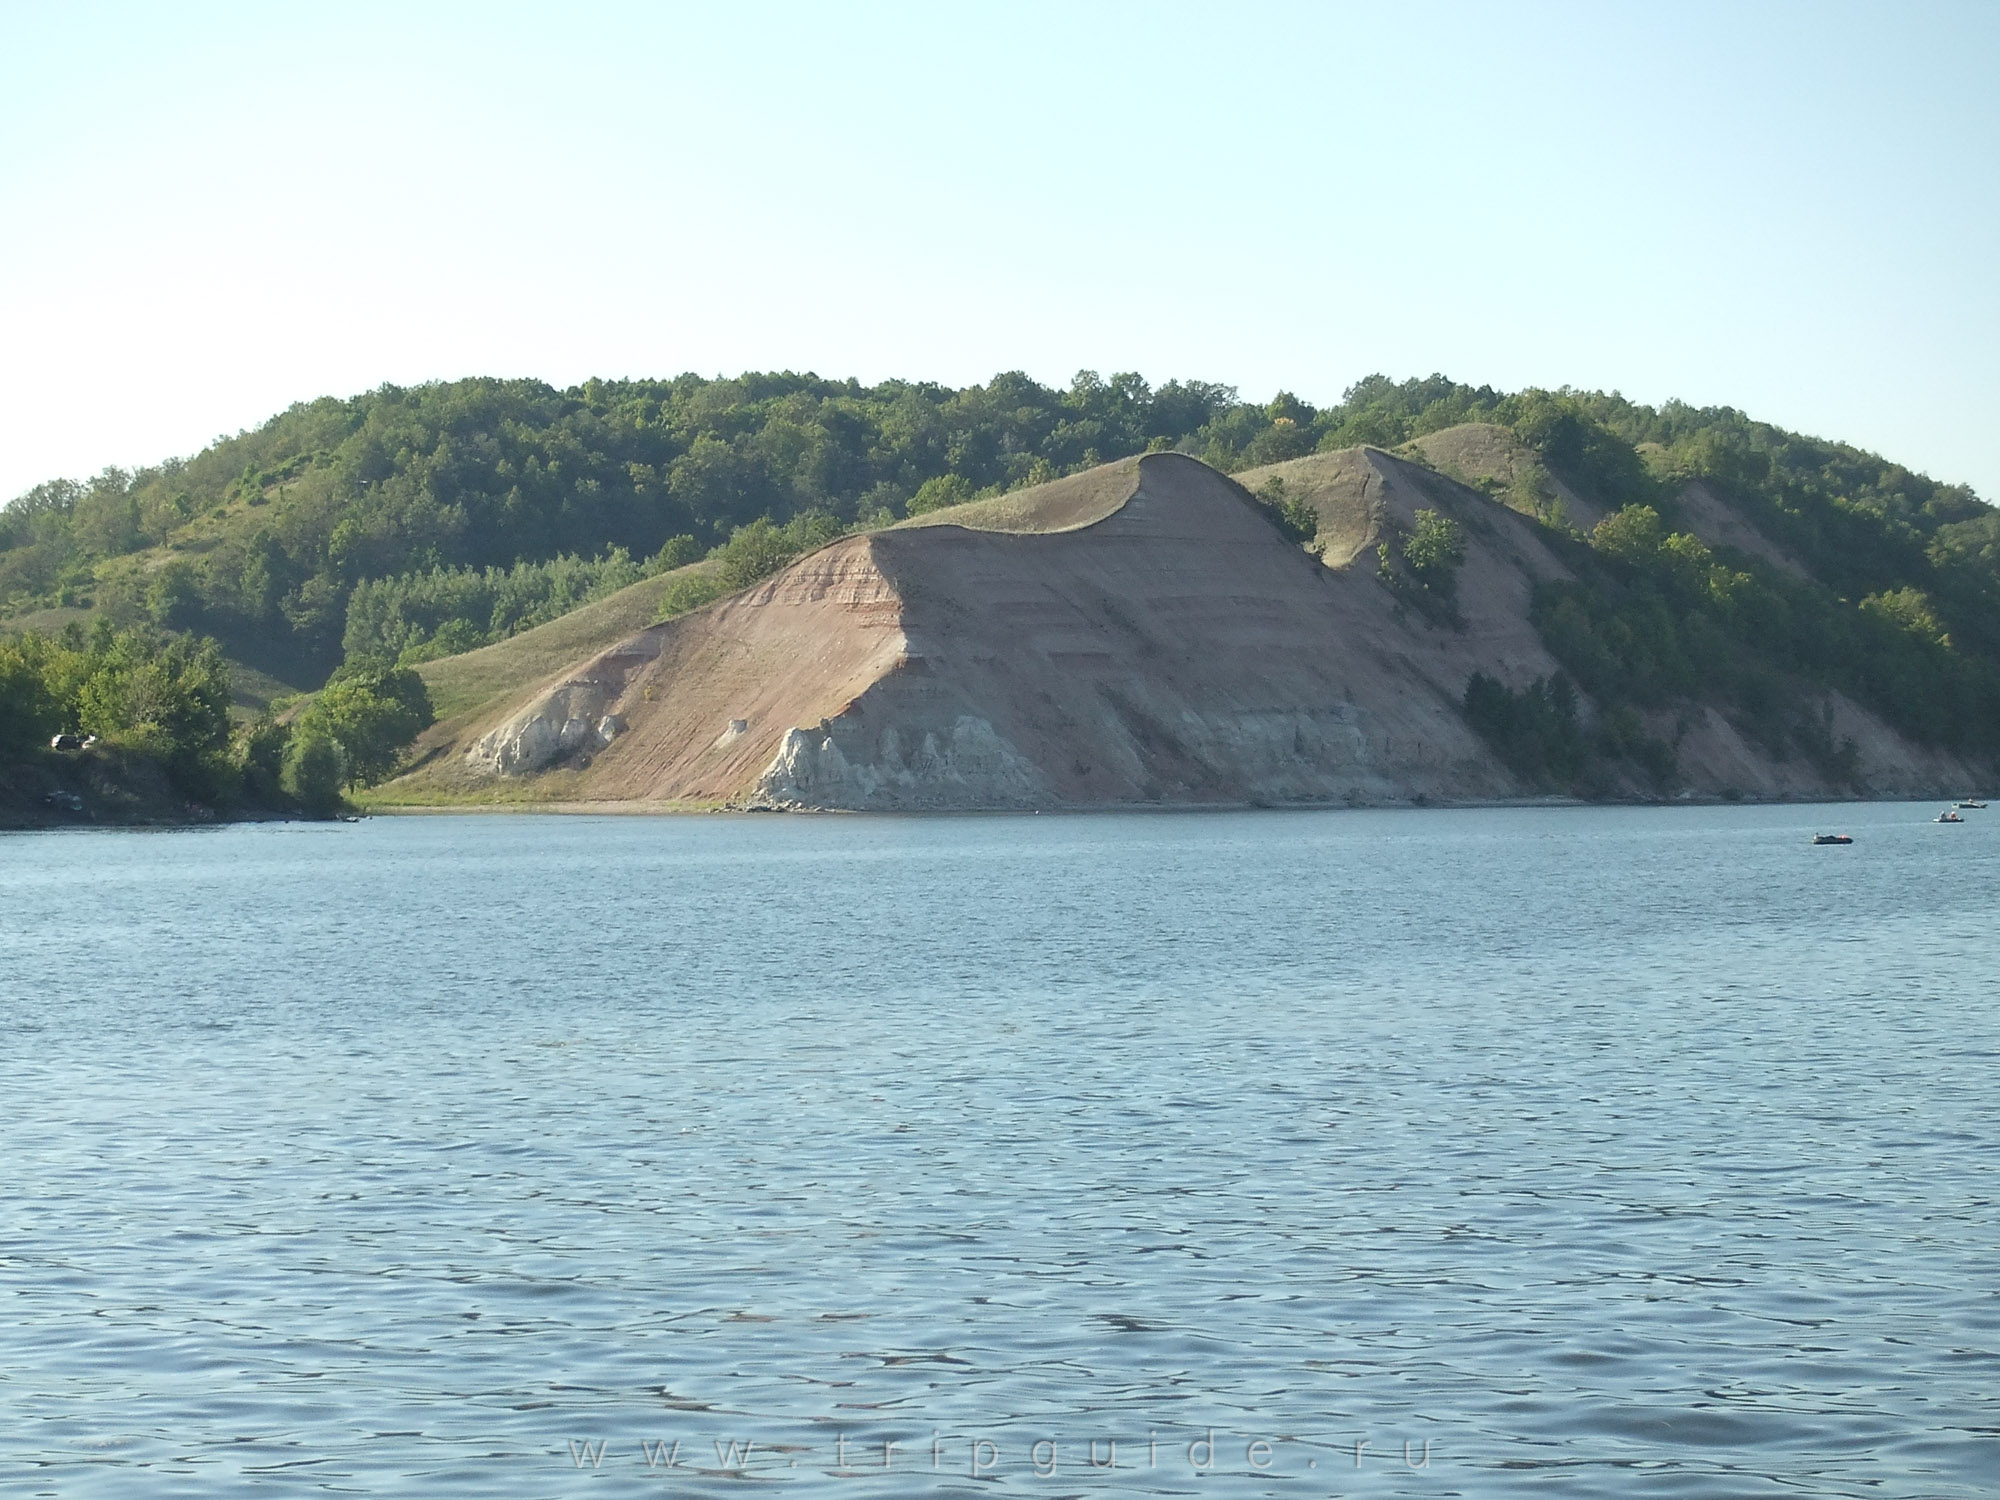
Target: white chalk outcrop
967,765
571,719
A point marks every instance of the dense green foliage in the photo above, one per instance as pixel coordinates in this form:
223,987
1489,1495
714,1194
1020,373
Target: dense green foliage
688,593
164,698
144,698
1535,731
1538,732
1421,567
1656,617
370,712
417,616
752,552
315,771
760,549
1434,549
30,710
1860,524
939,492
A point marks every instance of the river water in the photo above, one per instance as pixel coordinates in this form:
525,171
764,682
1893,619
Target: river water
1432,1153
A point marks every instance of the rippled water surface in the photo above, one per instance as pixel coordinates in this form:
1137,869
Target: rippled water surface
1605,1152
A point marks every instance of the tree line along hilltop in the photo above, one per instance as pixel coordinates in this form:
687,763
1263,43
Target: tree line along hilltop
361,537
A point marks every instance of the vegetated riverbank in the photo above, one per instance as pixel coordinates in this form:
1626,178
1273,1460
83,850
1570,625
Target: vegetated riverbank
103,785
137,727
114,786
784,592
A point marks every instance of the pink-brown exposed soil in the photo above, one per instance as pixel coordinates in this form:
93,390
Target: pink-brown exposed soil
1142,634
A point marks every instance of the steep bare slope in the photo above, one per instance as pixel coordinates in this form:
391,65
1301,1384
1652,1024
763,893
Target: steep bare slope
1177,650
693,707
1700,510
1346,488
1485,455
1140,634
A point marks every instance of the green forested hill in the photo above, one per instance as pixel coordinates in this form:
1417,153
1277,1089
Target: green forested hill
406,523
262,538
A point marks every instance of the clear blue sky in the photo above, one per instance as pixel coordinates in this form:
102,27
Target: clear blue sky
213,211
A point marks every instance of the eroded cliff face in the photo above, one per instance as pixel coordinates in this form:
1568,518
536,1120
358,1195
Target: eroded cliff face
1179,651
694,710
1266,758
575,717
905,768
1172,649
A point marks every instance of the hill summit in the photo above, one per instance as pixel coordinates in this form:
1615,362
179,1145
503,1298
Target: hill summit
780,589
1150,632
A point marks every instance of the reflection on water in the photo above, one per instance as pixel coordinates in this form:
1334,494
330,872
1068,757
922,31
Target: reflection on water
1643,1151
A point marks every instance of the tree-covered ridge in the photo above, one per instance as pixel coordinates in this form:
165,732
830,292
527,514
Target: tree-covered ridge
412,521
271,530
1859,523
407,523
1660,622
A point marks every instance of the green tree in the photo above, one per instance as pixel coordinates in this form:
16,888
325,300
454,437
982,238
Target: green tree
260,761
1632,534
938,493
1294,515
165,696
1909,610
174,597
686,594
1534,731
314,771
1434,550
760,549
30,712
1571,441
372,712
754,552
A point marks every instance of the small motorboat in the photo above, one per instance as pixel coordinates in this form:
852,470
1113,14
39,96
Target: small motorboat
1832,838
1948,816
1968,802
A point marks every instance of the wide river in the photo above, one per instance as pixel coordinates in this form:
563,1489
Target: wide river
1441,1153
